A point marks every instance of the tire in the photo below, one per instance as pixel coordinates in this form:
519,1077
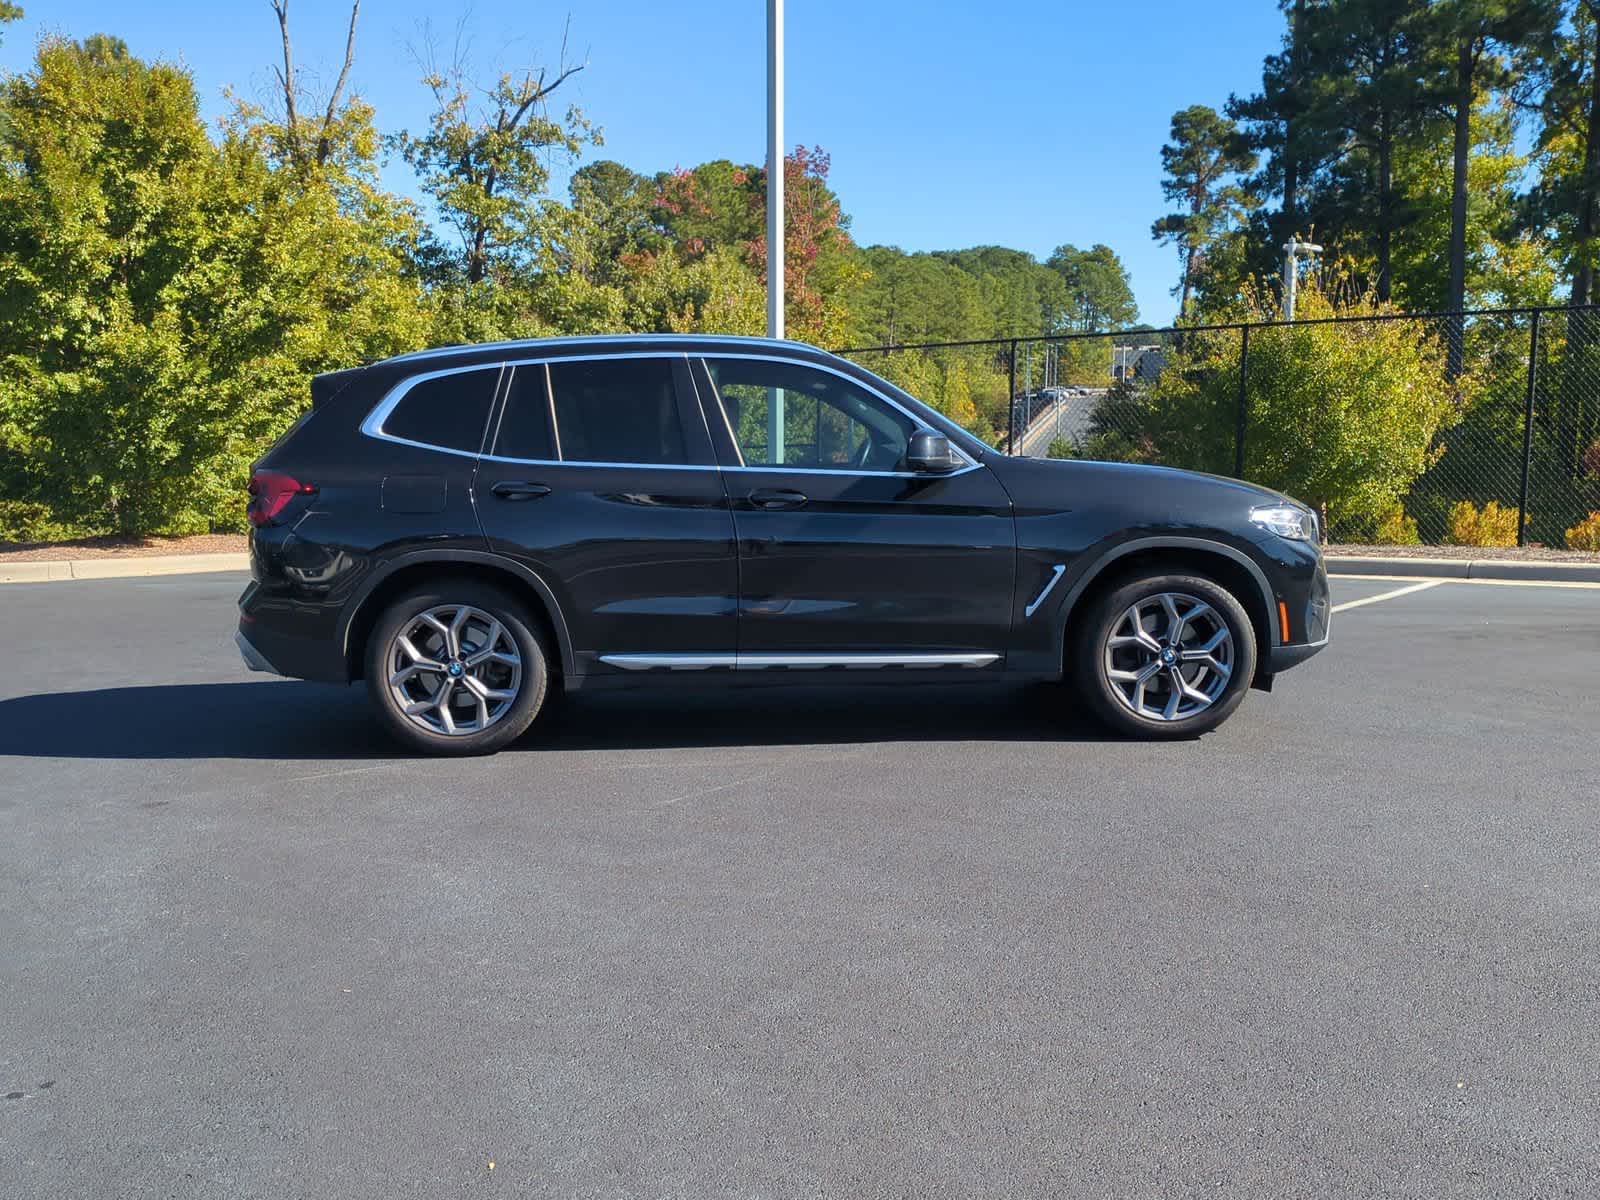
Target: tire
1215,656
456,631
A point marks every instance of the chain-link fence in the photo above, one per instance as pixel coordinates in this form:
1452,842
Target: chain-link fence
1476,428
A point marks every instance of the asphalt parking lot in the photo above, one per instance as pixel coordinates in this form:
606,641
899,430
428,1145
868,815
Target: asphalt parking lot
802,943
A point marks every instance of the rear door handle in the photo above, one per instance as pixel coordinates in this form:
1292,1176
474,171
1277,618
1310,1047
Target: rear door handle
517,490
777,498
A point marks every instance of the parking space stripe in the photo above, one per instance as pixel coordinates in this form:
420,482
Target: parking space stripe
1526,583
1405,591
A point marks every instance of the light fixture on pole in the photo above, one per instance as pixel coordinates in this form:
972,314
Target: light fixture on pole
1292,250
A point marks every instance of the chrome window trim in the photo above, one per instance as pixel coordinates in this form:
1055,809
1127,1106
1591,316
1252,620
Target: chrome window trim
1055,577
373,425
741,661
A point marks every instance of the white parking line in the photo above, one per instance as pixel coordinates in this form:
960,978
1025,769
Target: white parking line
1405,591
1538,583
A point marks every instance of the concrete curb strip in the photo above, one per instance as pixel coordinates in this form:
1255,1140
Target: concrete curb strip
120,568
1463,568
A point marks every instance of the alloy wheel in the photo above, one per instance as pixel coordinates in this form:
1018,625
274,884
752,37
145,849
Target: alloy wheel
1169,656
454,670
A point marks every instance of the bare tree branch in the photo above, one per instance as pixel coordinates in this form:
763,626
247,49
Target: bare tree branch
324,145
286,81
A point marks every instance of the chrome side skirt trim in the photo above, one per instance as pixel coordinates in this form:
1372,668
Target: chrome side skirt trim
763,662
672,662
1055,577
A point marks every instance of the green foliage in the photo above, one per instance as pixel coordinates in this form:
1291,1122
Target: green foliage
1585,535
1204,157
1395,528
1342,416
1492,525
1061,448
165,299
485,165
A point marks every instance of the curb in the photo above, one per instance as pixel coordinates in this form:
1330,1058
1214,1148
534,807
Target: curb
59,570
1465,568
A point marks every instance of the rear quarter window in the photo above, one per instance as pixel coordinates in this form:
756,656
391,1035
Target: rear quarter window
448,411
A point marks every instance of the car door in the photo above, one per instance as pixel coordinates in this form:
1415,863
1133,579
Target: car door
844,556
600,477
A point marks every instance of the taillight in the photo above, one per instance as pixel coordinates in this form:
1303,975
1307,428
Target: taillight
270,492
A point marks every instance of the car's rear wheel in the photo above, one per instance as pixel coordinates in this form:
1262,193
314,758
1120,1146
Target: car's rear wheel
456,667
1164,656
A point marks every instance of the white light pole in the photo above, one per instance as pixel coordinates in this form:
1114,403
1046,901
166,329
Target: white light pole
775,168
776,425
1292,250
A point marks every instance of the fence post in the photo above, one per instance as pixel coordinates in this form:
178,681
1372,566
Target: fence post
1011,398
1238,428
1527,430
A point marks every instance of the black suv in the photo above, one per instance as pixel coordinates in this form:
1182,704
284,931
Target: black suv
466,528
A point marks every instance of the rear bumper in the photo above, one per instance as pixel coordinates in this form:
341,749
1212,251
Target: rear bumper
292,638
253,658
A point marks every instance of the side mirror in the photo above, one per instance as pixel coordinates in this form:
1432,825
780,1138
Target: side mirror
929,451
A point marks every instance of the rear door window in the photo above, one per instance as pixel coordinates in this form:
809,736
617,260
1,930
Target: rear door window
525,431
622,410
447,411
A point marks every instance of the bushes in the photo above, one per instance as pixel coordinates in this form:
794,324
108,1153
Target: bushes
1397,529
1342,416
1585,535
1492,525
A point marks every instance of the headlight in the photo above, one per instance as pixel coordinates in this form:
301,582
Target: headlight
1287,520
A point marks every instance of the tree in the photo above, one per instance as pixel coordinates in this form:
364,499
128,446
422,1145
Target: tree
1273,124
1098,289
163,300
1342,416
484,164
722,204
1206,152
1475,29
1564,204
296,130
1372,88
613,217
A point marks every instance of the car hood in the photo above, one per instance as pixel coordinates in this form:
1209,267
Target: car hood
1152,481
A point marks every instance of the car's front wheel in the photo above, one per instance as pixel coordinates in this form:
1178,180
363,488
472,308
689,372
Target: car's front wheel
456,667
1164,656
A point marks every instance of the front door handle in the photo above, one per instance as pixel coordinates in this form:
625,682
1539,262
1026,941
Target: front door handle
771,498
516,490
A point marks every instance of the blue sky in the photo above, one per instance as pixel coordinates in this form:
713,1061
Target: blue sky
1023,123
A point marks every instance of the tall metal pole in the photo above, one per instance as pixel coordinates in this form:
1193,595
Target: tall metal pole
777,426
1527,431
775,168
1240,412
1290,278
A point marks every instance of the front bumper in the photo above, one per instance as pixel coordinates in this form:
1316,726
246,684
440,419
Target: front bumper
1308,603
1281,658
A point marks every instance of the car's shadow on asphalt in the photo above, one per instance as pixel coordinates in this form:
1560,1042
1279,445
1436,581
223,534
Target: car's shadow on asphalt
291,720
